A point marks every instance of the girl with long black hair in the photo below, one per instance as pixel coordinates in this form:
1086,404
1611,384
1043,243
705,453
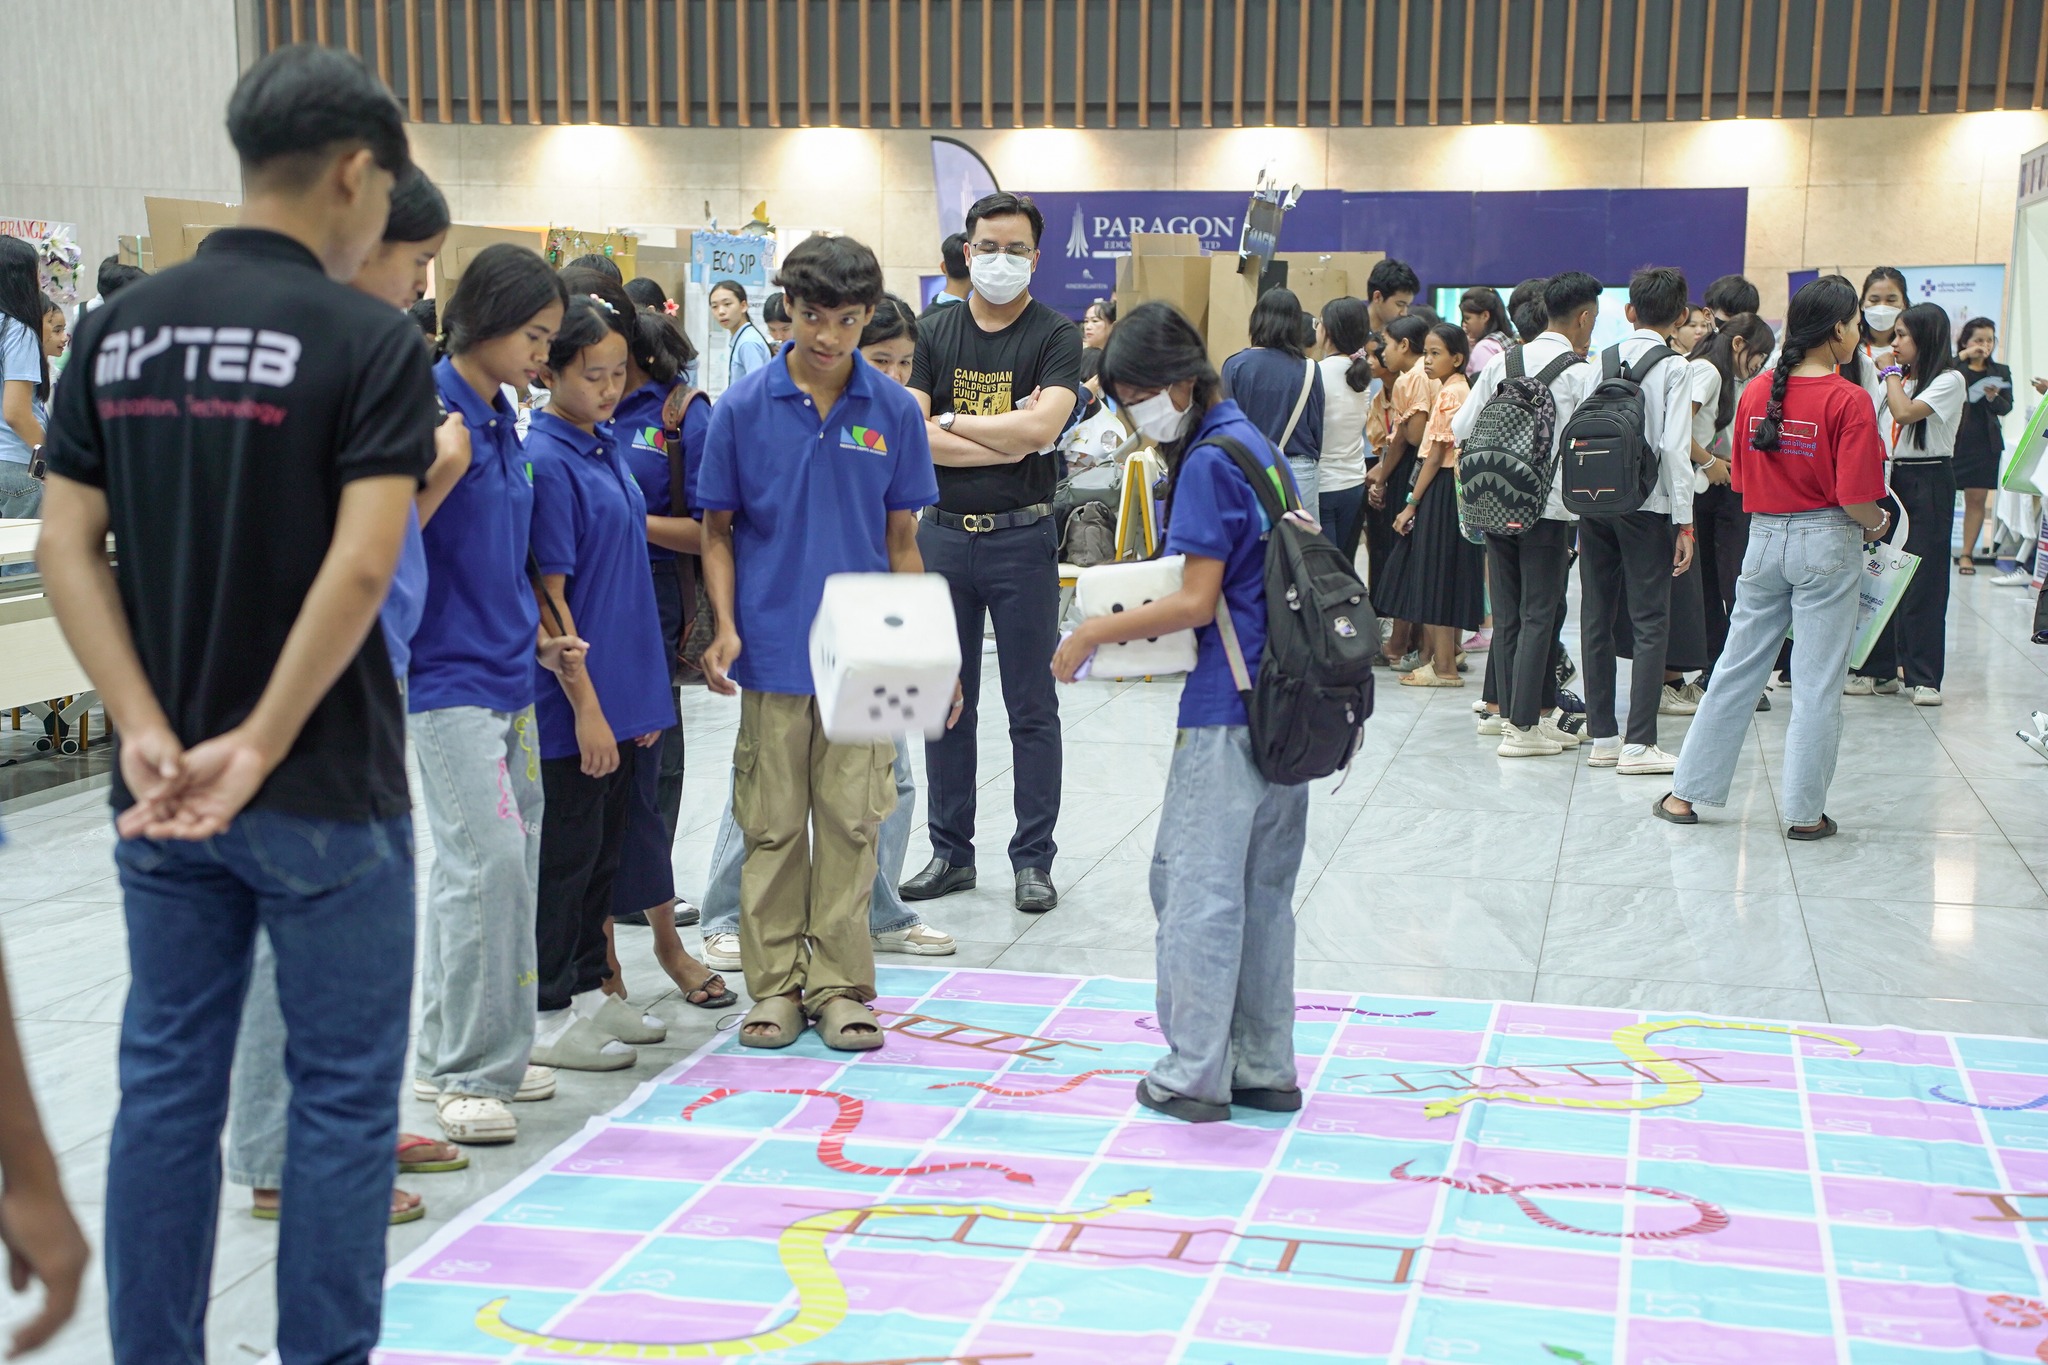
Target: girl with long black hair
1922,408
1979,441
24,377
1487,327
1230,842
1810,468
1435,577
1347,392
1279,389
1884,300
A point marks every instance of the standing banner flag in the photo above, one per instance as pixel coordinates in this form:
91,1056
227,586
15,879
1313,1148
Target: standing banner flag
1887,569
2026,471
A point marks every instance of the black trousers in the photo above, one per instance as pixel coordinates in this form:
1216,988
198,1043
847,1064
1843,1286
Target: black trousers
668,604
1915,640
1012,577
1721,529
1625,567
582,829
1529,579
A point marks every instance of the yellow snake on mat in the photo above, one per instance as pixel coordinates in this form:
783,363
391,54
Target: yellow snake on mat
1680,1085
821,1295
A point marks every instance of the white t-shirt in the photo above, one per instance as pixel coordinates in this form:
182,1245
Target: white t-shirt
1343,461
1945,395
1706,393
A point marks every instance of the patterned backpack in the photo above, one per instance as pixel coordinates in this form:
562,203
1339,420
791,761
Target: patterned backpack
1508,464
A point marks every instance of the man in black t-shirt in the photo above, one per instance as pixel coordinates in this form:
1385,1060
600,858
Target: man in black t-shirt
252,432
999,376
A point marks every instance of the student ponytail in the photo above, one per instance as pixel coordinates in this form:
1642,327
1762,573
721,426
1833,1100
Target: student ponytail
1347,331
656,347
1810,322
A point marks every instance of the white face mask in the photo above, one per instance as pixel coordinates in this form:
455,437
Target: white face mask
999,278
1880,317
1159,419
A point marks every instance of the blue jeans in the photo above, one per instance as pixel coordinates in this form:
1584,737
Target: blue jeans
887,912
336,900
1223,873
1800,573
1306,483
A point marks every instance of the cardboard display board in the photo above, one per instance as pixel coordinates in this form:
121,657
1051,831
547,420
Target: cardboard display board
1315,278
465,240
178,226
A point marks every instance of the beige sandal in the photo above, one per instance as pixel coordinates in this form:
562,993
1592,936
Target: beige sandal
841,1014
778,1013
1427,676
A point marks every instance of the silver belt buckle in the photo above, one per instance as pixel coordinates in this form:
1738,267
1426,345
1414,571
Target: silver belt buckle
977,522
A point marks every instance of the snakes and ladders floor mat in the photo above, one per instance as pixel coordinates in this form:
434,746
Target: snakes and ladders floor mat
1468,1182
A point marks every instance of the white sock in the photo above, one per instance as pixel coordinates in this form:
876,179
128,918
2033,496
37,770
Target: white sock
550,1025
1635,750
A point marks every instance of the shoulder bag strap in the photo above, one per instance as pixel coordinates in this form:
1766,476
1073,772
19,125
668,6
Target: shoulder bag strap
1308,382
1233,651
675,453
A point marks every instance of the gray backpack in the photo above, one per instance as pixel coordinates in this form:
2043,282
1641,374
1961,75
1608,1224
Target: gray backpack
1090,537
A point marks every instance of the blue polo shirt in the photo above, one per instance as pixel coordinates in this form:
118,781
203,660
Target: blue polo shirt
809,498
1216,515
644,444
408,596
590,523
475,642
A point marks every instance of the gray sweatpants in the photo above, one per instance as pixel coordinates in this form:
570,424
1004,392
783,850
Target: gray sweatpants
480,777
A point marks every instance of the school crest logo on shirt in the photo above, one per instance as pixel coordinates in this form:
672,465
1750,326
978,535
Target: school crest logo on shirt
862,438
652,438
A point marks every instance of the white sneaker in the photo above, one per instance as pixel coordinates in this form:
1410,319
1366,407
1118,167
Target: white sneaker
1926,696
1859,686
1889,687
1639,759
1529,743
919,940
1674,702
722,952
2018,578
1490,723
1693,693
1606,752
1548,727
473,1119
538,1083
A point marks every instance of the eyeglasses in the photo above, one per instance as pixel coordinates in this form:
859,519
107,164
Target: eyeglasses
990,249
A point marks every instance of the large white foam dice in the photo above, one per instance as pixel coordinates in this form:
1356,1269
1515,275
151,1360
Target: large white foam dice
1110,588
884,655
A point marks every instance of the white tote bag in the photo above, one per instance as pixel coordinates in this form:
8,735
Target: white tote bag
1887,569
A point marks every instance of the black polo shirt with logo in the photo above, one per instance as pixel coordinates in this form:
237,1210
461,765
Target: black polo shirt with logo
221,406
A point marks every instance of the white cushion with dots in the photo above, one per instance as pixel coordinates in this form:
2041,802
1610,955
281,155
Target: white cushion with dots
885,655
1107,589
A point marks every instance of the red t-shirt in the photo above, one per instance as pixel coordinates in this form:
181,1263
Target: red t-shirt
1829,453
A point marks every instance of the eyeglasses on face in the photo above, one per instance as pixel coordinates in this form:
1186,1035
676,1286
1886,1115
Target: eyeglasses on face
1019,250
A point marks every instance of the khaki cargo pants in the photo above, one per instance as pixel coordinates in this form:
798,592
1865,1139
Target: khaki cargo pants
810,810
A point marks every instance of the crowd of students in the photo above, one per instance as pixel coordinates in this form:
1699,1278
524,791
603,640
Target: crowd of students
505,548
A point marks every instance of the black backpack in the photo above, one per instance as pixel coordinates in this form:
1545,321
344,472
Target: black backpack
1508,464
1610,467
1314,689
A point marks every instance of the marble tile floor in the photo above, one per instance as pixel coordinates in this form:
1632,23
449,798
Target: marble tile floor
1433,868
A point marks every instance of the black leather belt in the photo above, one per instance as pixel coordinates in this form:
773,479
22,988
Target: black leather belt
980,523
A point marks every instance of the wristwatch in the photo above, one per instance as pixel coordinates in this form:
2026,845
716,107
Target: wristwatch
946,420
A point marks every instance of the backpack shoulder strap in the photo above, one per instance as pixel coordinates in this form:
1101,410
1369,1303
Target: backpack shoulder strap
1515,364
1610,363
1260,476
1648,361
1549,373
687,396
1232,650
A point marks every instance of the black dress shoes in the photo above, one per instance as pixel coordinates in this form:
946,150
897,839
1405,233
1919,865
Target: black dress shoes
1035,895
939,878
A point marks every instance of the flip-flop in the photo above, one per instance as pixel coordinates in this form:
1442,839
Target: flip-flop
1966,570
1826,829
839,1015
718,1001
406,1215
778,1012
1663,813
408,1142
